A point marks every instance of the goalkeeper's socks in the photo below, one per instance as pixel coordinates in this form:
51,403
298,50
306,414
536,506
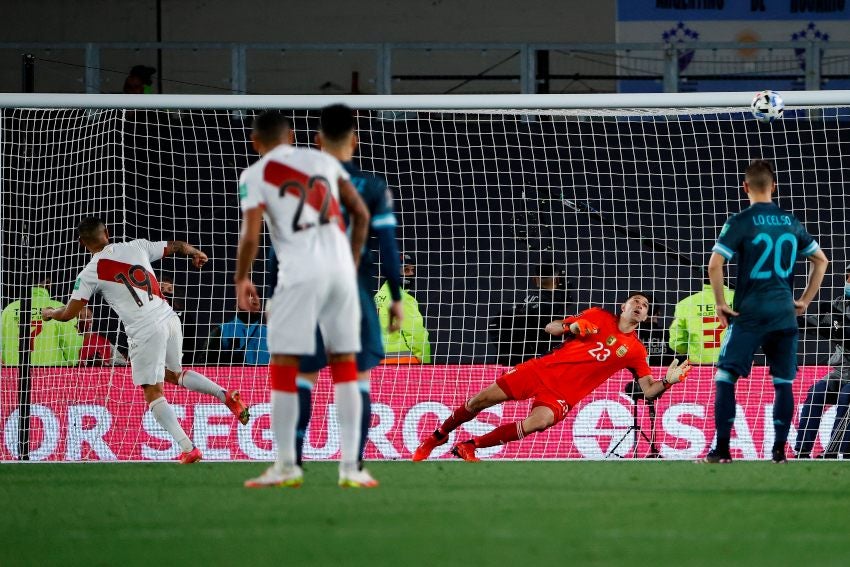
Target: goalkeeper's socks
783,410
284,412
459,415
724,408
348,410
305,400
501,435
366,419
196,382
164,415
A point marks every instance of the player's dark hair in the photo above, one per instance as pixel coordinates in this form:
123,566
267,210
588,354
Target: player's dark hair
270,126
89,228
642,294
336,122
760,174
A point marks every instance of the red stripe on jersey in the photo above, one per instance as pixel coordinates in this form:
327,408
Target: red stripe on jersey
134,275
313,190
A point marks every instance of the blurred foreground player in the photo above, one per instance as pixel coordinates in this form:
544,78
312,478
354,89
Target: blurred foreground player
338,138
299,191
122,273
601,345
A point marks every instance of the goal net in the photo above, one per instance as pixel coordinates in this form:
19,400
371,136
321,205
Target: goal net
494,206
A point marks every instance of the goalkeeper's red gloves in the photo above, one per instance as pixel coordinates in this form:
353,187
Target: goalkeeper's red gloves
676,373
583,328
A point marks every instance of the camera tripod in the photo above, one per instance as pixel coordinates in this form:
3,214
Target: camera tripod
638,430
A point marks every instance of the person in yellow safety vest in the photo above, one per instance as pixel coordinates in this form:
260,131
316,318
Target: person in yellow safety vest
408,345
52,343
695,330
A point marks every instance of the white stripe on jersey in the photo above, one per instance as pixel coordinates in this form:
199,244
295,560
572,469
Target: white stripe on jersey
123,274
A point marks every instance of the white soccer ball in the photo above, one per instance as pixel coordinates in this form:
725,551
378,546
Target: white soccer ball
767,106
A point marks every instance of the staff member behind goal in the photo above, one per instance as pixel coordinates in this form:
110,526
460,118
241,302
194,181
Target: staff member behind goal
600,345
122,273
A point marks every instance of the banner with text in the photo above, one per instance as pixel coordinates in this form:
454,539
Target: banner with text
97,414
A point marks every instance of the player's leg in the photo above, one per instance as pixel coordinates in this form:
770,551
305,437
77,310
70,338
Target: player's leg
291,327
736,355
542,417
810,417
195,381
518,383
780,349
147,362
370,355
308,374
339,319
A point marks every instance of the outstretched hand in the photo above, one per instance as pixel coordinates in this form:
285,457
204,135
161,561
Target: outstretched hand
677,372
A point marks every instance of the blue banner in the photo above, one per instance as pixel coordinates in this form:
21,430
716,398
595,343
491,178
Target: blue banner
694,10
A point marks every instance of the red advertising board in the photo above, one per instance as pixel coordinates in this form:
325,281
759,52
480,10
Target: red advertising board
97,414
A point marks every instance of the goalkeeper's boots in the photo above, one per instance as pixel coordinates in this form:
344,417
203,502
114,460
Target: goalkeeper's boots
357,479
233,401
777,455
289,477
465,451
190,457
429,444
716,457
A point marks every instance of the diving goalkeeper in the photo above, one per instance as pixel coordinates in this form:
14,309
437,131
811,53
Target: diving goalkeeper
601,344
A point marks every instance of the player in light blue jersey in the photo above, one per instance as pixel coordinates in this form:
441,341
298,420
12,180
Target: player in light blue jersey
765,240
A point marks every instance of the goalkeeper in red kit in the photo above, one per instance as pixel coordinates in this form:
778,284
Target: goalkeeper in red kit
601,344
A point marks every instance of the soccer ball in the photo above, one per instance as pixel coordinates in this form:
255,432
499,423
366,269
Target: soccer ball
767,106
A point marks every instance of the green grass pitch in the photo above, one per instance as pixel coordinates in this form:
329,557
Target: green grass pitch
432,513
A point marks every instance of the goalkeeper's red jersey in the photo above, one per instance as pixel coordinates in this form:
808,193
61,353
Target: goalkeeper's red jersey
580,365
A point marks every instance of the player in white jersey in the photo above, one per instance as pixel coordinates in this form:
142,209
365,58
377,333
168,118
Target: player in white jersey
299,191
123,274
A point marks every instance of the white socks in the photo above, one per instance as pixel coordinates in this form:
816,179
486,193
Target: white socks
165,416
284,416
191,380
349,410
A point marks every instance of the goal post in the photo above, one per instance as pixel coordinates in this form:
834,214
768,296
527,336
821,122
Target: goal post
604,193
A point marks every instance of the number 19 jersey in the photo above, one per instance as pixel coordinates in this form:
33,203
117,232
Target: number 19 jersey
123,275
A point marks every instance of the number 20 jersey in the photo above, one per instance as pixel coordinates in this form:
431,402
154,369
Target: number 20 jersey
123,275
298,190
765,240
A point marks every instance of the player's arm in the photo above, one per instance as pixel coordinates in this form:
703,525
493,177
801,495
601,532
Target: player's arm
185,249
676,372
715,276
576,325
66,313
358,214
249,243
818,263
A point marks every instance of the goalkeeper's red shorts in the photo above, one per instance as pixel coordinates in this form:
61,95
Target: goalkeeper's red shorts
522,383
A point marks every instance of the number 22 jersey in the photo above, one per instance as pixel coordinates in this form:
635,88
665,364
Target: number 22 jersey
123,275
298,190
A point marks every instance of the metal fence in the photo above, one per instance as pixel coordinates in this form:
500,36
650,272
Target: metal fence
432,68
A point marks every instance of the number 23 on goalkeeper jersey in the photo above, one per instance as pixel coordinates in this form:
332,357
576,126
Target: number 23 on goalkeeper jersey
581,364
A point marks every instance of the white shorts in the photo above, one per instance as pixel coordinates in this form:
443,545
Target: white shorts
161,349
297,307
